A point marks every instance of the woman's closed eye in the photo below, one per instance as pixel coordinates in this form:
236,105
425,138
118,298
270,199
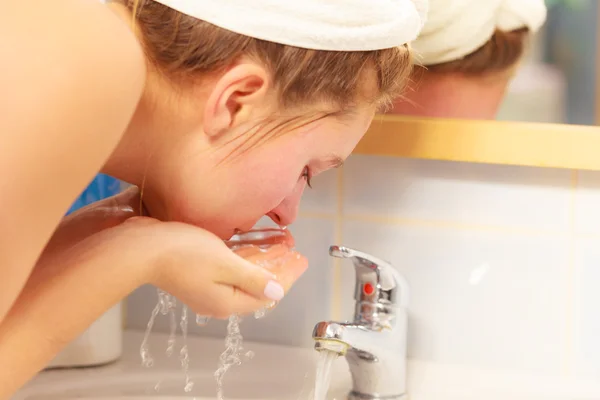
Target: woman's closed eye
307,175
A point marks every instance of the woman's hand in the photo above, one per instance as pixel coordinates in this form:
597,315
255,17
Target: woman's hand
199,269
113,211
75,284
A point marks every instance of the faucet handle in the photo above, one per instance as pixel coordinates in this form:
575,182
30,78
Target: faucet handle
377,281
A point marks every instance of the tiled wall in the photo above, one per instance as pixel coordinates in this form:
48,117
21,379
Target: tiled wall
503,262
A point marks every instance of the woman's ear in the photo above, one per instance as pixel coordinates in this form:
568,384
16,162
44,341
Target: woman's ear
237,95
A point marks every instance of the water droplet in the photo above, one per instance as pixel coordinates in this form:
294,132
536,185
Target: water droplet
188,387
202,320
265,310
148,363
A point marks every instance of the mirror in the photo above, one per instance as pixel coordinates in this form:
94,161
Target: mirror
555,80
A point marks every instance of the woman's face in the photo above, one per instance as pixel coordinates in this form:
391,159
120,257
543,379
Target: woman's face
231,189
204,157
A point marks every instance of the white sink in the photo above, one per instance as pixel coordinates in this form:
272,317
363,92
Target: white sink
275,372
282,373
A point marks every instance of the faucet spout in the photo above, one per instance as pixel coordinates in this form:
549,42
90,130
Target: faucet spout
340,337
376,358
374,343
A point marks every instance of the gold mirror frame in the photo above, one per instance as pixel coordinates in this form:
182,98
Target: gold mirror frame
490,142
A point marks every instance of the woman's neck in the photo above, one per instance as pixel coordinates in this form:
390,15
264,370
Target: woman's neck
162,115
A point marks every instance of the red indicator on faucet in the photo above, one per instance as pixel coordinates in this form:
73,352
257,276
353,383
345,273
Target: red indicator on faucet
368,289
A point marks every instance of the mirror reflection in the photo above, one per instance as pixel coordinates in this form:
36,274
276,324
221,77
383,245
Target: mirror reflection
512,60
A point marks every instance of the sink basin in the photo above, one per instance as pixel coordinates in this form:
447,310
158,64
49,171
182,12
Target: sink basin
275,372
135,386
282,373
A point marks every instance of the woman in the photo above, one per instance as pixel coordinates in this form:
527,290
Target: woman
220,111
468,51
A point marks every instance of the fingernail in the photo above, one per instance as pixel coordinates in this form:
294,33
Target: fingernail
274,291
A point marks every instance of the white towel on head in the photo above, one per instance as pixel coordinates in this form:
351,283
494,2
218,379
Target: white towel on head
456,28
337,25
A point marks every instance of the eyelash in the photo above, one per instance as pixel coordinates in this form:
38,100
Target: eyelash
306,175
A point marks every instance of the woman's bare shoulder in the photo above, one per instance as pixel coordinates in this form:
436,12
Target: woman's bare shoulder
71,77
69,42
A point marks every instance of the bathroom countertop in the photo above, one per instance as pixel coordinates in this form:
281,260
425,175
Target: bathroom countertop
288,369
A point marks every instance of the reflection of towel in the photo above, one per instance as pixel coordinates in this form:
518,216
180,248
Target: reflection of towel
344,25
456,28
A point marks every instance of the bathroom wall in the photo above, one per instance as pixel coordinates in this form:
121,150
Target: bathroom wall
503,262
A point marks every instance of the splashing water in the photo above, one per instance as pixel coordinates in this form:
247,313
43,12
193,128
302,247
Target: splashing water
232,354
323,377
184,353
202,320
165,303
265,310
168,307
147,360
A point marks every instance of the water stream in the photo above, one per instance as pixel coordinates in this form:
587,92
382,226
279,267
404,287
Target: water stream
167,306
232,354
323,375
184,353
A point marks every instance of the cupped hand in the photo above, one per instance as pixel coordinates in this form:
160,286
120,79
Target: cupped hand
202,271
213,277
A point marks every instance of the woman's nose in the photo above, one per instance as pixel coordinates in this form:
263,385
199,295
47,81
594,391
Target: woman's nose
287,211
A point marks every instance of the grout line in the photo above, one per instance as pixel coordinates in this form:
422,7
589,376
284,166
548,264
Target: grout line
336,295
570,290
389,220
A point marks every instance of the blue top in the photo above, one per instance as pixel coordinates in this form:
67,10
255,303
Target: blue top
101,187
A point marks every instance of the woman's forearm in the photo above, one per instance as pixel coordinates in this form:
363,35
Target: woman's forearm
61,299
72,287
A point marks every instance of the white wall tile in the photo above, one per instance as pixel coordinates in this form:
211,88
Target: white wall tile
323,197
587,308
292,321
533,198
477,298
587,203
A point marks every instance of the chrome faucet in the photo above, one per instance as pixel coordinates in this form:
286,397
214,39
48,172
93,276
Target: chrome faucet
374,344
